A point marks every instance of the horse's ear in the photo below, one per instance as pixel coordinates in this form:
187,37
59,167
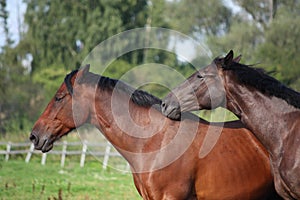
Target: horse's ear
86,68
237,59
228,59
82,71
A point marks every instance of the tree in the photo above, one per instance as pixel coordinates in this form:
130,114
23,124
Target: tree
242,37
261,12
281,46
54,39
265,32
199,18
4,18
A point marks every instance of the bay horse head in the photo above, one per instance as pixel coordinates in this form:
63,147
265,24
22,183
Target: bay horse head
204,89
58,119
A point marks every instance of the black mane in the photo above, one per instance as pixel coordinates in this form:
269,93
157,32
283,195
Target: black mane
261,81
138,97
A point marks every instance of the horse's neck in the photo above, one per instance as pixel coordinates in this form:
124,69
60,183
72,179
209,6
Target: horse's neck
135,131
269,118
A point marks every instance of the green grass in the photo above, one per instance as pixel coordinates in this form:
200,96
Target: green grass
20,180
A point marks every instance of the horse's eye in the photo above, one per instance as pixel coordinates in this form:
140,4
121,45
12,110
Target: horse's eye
199,76
59,97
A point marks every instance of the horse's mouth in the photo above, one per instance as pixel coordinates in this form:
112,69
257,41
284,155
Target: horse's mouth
46,146
174,115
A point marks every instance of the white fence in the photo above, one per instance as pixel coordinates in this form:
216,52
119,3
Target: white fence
27,148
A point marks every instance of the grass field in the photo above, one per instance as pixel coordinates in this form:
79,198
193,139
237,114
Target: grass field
20,180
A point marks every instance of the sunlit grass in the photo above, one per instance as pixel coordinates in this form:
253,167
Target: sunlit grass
216,115
20,180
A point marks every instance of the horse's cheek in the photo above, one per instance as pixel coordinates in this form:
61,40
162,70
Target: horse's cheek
80,114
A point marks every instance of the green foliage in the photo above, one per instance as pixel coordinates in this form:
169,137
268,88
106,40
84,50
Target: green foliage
52,39
15,94
242,37
199,17
117,69
281,48
217,115
265,32
4,19
153,70
49,79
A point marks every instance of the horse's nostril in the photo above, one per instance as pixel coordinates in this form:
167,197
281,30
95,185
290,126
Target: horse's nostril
164,106
34,139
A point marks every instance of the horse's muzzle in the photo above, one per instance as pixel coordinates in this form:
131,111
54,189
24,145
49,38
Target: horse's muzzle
171,110
44,144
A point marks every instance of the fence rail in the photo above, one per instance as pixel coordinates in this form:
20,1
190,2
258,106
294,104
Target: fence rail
28,150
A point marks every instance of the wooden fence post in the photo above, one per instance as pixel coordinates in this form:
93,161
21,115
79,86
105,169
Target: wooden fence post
8,147
27,159
83,153
44,157
106,155
63,153
127,167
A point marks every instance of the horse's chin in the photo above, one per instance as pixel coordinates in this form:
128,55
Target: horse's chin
174,115
47,145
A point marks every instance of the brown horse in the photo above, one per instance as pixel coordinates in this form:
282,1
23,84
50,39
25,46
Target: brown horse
265,106
163,154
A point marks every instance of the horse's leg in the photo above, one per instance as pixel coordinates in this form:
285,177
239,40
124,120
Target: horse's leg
137,183
289,168
171,197
280,186
289,182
